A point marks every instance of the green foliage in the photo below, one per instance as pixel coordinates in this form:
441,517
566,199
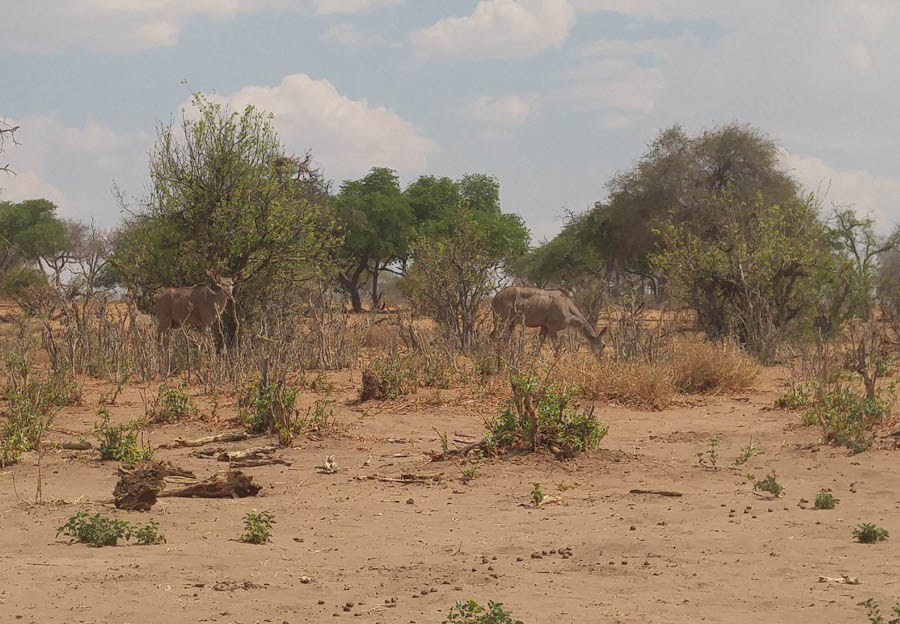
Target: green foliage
33,228
770,485
470,612
29,288
224,195
171,405
545,415
537,494
746,453
32,407
847,417
713,451
797,396
120,442
149,534
377,223
269,407
873,612
868,533
99,530
469,473
748,273
452,274
825,500
394,378
257,527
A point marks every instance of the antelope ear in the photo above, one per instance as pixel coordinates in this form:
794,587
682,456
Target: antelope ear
212,273
603,331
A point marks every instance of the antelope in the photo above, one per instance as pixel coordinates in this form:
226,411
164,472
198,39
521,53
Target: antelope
551,310
194,306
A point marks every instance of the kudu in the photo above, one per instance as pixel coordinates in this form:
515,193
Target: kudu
551,310
194,306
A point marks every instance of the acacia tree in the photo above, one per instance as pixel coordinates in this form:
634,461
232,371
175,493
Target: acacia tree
376,222
225,195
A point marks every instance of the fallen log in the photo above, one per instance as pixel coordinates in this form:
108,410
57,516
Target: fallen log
229,436
230,484
656,492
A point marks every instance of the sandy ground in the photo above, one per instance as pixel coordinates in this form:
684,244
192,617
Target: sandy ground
719,553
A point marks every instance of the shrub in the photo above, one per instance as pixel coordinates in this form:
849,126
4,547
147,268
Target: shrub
99,530
868,533
120,442
544,415
770,485
172,404
700,367
798,396
848,418
470,612
649,385
32,408
257,527
873,612
269,406
149,534
826,500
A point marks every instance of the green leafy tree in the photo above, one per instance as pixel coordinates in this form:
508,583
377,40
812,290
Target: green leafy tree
458,259
30,231
377,223
224,195
675,181
757,277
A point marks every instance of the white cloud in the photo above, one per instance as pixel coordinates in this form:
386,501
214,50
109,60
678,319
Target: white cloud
870,195
324,7
50,26
510,110
499,29
346,136
72,166
350,36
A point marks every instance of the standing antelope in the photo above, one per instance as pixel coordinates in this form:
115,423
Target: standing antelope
194,306
551,310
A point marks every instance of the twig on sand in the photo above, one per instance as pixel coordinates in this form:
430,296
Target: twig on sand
656,492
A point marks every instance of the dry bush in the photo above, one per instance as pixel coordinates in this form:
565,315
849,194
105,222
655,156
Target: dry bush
642,384
702,367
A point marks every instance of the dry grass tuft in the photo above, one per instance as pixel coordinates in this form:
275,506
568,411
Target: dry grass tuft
648,385
703,367
689,366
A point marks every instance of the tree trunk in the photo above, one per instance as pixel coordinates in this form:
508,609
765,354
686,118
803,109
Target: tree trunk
351,284
375,296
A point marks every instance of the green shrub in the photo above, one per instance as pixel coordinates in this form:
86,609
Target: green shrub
149,534
545,415
470,612
770,485
171,405
873,612
868,533
120,442
32,407
797,396
269,407
257,527
825,500
848,418
99,530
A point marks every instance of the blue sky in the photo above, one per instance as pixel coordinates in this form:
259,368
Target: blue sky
551,96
